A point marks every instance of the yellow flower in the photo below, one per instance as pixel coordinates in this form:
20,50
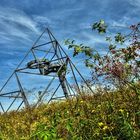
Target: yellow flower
121,110
105,127
99,106
93,111
81,101
34,125
100,124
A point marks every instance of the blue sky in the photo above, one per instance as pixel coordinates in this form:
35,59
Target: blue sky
21,22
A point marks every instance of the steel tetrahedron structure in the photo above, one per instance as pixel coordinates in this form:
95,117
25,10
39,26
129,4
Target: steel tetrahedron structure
47,60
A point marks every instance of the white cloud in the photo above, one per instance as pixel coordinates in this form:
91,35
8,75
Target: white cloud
93,39
19,17
12,21
134,2
123,22
42,20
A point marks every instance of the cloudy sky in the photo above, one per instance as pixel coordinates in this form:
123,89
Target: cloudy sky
21,22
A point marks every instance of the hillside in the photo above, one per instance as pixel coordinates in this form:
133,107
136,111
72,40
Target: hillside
110,116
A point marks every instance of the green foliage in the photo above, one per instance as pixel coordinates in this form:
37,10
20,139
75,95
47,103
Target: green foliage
43,132
79,48
88,63
112,47
119,38
100,26
1,136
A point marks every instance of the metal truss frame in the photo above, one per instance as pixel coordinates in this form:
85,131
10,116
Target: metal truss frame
58,55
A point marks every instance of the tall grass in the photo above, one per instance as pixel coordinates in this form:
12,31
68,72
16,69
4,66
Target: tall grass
110,116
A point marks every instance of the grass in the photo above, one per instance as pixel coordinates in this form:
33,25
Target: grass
108,116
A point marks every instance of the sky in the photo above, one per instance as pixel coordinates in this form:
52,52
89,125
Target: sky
22,21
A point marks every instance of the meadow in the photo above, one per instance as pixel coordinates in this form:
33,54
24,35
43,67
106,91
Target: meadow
103,116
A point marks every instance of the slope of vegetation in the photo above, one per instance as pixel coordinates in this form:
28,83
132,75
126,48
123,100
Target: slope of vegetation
108,116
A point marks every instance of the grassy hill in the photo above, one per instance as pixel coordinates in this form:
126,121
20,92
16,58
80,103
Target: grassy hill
107,116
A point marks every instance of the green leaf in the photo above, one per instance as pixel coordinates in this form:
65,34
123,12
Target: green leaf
88,51
119,38
88,64
96,56
70,46
111,47
108,39
99,26
94,26
72,41
67,42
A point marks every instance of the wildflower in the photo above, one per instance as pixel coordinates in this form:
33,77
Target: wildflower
81,101
121,110
127,114
34,125
93,111
100,124
105,127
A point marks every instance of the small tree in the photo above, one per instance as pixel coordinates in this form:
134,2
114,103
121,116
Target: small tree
120,65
